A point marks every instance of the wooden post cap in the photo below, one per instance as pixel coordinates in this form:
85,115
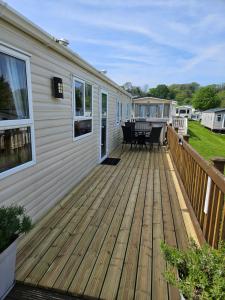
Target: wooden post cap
219,163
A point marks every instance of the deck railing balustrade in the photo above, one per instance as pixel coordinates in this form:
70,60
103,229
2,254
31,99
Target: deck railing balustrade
204,186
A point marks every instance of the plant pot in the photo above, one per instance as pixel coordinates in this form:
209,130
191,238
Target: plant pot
182,297
7,269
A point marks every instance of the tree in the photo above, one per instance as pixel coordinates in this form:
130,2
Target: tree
206,98
184,92
221,96
161,91
6,103
133,90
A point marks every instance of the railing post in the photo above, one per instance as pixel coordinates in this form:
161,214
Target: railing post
186,137
219,163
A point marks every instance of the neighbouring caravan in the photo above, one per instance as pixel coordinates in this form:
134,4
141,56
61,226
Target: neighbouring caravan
159,112
153,109
59,116
184,111
214,119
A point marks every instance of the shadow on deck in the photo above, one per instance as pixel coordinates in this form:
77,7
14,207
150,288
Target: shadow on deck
103,239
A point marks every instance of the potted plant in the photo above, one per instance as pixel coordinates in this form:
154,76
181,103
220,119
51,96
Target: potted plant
13,222
198,272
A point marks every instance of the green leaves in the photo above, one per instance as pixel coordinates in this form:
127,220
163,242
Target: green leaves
201,271
206,98
13,222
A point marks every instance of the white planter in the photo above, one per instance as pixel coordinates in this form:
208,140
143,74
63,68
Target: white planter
182,297
7,269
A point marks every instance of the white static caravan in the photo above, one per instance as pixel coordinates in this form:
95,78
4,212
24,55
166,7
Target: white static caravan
214,119
159,112
48,143
184,111
154,109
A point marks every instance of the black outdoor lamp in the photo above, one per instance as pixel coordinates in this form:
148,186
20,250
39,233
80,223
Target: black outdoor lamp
57,87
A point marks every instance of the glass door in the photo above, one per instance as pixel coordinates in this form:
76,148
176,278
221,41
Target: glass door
103,122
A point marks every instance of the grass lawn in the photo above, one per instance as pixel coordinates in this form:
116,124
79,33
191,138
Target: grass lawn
208,144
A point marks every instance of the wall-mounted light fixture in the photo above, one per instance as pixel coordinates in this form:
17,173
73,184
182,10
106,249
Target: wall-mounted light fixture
57,87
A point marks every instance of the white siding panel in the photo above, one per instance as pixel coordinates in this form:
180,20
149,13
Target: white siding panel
61,161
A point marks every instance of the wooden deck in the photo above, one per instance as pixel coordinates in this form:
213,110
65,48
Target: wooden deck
103,240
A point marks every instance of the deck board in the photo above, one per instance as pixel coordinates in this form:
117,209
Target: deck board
103,241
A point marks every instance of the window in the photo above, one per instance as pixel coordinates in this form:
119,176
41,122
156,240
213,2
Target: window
166,111
16,119
82,108
183,111
128,111
219,118
117,112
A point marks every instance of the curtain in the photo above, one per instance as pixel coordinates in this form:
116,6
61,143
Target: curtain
13,88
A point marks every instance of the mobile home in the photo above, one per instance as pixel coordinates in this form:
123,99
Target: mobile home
153,109
214,119
184,111
59,116
158,112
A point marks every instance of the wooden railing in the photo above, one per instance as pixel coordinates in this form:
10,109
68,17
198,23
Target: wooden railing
204,186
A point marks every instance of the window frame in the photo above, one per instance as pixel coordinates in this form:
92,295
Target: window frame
12,124
219,116
81,118
118,112
128,111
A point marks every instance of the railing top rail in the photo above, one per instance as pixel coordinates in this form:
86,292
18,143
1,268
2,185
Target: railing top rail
210,170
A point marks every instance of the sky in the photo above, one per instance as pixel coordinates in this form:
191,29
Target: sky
140,41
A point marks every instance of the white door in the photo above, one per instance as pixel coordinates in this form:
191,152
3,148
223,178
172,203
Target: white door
103,125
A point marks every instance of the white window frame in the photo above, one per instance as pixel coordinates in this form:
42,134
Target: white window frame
81,118
11,124
127,111
217,116
118,117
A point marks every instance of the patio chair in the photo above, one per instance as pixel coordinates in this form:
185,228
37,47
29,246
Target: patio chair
141,139
130,124
128,136
154,137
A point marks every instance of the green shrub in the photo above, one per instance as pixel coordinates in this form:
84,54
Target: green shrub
13,222
201,271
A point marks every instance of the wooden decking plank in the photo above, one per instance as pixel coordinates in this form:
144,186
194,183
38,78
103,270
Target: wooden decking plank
103,240
112,279
159,285
129,272
144,274
38,253
168,222
69,269
47,219
43,229
181,234
80,280
33,256
96,279
74,231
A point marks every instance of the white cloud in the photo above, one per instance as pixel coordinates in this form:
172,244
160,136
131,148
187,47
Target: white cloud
143,40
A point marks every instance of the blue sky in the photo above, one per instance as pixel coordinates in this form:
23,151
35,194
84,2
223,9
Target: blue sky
142,41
